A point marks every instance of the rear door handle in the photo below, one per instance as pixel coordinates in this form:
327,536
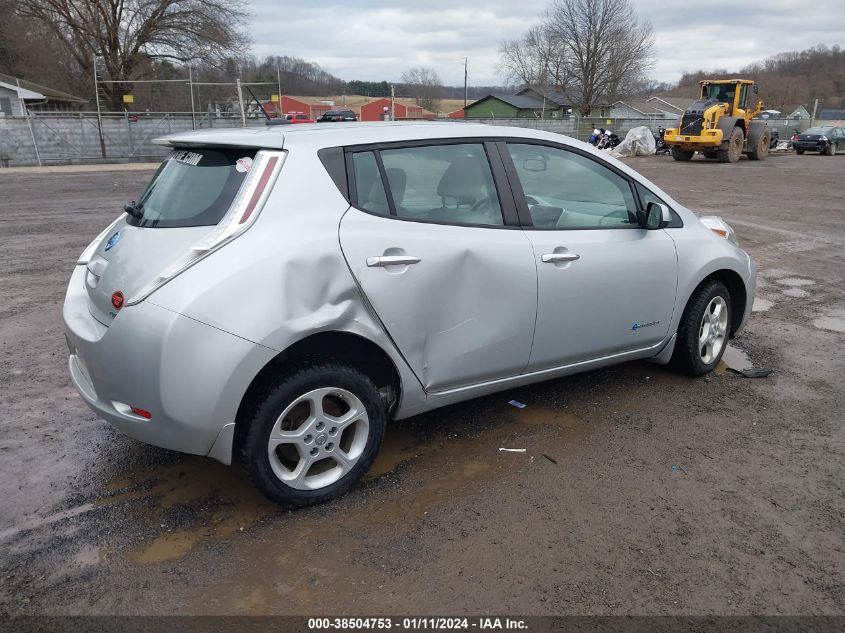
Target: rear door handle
551,258
392,260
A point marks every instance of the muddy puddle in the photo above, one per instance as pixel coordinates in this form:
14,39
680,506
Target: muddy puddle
733,358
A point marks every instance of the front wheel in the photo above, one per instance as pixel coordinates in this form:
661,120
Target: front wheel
830,150
799,151
703,330
314,435
679,154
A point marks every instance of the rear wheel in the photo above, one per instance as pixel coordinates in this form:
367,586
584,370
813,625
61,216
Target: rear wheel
679,154
314,435
761,149
703,330
733,151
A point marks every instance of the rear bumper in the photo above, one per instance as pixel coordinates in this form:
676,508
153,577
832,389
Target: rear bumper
191,377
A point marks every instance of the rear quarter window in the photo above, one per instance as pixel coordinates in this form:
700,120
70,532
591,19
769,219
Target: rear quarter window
193,187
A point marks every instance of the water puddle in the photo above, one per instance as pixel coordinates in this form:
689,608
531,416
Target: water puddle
830,323
733,358
795,281
88,556
762,305
796,293
398,447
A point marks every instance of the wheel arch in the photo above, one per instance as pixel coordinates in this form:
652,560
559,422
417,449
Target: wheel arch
345,347
736,286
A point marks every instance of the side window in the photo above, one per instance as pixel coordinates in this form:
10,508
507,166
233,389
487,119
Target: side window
443,183
566,190
368,184
647,196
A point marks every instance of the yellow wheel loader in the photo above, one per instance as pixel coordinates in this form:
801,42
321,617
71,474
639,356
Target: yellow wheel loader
720,124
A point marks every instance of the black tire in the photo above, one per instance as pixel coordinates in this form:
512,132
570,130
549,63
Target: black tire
269,405
679,154
686,356
710,153
762,147
830,150
799,151
733,150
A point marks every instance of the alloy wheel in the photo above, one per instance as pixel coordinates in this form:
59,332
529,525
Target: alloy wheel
318,438
713,331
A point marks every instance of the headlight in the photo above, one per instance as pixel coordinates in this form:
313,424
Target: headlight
823,138
719,227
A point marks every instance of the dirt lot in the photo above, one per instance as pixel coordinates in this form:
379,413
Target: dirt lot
641,492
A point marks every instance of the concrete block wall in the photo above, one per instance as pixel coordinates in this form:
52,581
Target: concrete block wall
74,138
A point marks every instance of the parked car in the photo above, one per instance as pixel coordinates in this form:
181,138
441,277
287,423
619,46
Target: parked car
276,296
333,116
299,117
825,140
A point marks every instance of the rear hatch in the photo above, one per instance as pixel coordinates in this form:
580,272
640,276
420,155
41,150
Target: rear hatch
187,197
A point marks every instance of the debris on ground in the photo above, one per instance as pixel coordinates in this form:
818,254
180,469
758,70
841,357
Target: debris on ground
517,404
511,450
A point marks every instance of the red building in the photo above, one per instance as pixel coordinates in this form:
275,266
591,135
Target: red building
314,107
457,114
403,109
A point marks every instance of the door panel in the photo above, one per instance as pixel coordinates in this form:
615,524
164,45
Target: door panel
605,285
618,295
464,312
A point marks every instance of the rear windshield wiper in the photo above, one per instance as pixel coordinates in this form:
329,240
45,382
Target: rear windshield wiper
135,209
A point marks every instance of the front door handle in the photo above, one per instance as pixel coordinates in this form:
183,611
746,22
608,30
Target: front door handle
392,260
552,258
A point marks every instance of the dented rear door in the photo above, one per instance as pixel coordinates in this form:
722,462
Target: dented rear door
464,313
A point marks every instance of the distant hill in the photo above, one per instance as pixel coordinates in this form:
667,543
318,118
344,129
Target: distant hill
786,80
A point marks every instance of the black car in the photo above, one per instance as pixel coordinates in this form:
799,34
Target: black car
824,140
337,115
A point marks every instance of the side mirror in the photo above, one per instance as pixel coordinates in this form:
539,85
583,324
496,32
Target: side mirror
657,216
756,89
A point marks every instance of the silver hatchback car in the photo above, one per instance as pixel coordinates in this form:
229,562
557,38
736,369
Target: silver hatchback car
276,295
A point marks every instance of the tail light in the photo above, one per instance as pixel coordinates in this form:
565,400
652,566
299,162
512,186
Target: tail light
245,209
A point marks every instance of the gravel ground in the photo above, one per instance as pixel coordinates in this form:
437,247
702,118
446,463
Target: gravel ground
641,491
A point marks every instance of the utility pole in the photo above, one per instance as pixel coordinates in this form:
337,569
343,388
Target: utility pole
241,102
813,117
191,87
392,102
279,85
466,61
99,115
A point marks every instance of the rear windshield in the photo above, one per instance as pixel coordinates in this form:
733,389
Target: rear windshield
818,130
193,187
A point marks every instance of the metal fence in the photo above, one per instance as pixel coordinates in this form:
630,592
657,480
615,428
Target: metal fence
83,138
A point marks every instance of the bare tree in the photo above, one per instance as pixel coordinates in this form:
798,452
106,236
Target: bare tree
424,85
597,49
535,59
126,34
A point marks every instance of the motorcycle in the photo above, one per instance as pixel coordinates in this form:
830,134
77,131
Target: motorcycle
608,140
660,142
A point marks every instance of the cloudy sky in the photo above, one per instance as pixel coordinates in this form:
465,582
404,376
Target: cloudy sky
378,39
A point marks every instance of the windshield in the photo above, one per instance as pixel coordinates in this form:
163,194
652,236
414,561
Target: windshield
192,188
719,92
818,130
